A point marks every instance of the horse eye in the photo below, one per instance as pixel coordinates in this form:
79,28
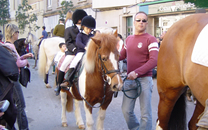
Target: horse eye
104,59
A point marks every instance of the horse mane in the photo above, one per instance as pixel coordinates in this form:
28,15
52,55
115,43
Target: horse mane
103,41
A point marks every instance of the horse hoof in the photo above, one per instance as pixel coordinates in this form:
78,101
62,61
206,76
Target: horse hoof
81,126
48,86
64,124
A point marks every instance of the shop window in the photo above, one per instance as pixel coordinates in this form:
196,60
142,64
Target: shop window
129,26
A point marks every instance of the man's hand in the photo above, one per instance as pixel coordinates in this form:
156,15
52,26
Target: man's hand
132,75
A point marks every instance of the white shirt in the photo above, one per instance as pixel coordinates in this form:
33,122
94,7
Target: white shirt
58,57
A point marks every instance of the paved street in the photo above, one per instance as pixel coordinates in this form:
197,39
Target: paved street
43,108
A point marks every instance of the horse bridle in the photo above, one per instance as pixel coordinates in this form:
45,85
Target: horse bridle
105,71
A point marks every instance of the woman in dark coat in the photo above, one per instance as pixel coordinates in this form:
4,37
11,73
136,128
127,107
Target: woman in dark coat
8,73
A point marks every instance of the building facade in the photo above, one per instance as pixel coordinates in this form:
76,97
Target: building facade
118,14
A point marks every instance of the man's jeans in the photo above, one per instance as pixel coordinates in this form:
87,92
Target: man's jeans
145,104
20,102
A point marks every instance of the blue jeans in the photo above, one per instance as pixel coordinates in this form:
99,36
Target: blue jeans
145,104
20,103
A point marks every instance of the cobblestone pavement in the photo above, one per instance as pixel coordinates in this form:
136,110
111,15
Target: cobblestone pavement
43,108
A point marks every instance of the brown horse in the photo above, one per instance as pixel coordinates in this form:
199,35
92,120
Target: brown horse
97,81
176,70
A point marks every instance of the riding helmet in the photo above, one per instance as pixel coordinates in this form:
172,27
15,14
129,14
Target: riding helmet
78,14
89,22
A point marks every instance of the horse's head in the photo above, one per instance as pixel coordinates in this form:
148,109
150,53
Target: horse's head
28,38
102,55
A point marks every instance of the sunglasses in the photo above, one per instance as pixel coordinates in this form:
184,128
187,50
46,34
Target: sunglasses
143,20
17,32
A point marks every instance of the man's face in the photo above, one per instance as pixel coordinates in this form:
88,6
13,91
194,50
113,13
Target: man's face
140,23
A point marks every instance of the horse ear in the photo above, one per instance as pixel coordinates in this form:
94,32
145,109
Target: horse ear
96,41
115,33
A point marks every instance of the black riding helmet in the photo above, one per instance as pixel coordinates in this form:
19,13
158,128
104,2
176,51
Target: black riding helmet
89,22
78,14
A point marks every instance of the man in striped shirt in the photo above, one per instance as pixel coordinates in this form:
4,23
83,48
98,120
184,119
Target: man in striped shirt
141,51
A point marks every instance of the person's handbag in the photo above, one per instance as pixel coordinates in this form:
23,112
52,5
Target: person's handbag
24,76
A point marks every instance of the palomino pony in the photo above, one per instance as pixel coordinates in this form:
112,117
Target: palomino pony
182,61
34,41
98,79
48,49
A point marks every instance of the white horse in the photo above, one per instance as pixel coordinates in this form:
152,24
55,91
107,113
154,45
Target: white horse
34,41
48,49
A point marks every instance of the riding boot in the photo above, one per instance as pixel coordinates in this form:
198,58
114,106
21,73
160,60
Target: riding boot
60,80
203,121
69,78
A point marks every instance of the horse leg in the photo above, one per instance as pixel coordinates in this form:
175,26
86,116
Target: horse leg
63,104
47,70
79,120
89,118
167,102
100,119
194,119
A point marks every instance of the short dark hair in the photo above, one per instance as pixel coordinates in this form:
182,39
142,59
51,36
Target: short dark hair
62,20
61,44
43,27
140,12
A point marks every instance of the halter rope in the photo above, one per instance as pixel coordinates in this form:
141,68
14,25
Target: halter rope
138,88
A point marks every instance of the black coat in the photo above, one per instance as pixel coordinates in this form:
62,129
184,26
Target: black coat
70,35
8,72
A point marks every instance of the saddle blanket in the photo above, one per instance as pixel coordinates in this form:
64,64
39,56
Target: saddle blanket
200,50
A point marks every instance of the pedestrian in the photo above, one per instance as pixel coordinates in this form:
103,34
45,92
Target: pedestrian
59,55
159,39
119,47
59,29
8,73
87,26
43,36
70,38
11,35
141,51
1,38
68,21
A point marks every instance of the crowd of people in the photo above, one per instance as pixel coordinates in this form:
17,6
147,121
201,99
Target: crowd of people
140,52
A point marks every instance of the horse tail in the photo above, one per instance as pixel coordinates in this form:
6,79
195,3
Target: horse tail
69,104
42,60
178,116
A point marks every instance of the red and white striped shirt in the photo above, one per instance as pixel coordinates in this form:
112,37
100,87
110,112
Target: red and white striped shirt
141,52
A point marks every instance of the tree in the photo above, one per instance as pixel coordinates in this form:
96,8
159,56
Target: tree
65,6
198,3
4,12
25,18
